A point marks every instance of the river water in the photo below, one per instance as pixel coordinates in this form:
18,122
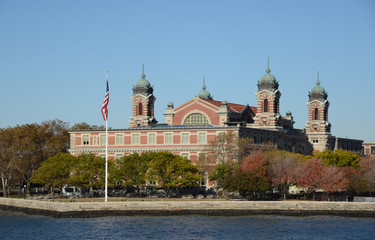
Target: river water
21,226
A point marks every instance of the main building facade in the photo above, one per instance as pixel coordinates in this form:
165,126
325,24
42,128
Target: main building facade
188,128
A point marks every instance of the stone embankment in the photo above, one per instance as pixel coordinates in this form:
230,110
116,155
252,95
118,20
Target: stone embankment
225,207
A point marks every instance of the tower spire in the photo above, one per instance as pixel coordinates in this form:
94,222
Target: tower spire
317,81
143,71
268,70
204,83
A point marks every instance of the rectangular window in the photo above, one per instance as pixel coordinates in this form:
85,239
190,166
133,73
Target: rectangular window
202,138
119,155
372,150
85,139
102,139
135,139
185,155
185,138
151,138
168,138
94,140
119,139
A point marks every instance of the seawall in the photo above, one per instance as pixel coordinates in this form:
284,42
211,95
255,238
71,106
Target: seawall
160,208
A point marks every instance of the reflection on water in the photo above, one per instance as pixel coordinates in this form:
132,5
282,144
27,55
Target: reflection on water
22,226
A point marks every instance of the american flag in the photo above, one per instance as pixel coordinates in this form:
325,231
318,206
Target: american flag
105,103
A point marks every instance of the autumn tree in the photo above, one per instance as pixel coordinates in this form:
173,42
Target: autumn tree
34,143
282,170
367,170
86,126
249,178
7,168
229,147
253,175
333,179
309,175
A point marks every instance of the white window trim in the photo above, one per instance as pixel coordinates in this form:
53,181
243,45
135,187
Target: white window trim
100,141
119,134
139,138
165,137
188,138
95,140
88,139
148,138
205,137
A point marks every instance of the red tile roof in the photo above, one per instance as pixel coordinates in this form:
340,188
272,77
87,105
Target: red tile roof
233,107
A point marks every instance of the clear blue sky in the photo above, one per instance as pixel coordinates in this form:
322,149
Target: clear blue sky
53,57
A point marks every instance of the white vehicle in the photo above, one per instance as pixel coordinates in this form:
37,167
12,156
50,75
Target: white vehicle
71,191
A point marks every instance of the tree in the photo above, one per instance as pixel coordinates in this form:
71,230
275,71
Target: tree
249,178
35,143
338,158
229,147
223,174
55,171
252,177
309,175
88,171
86,126
6,156
131,170
171,171
367,170
333,179
282,170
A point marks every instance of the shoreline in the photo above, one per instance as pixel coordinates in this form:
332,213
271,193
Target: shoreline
193,207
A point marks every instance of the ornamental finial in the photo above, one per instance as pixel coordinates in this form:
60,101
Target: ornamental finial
317,81
204,83
268,70
143,71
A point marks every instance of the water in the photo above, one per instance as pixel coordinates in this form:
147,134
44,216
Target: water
21,226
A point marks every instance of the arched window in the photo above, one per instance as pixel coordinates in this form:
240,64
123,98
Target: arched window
196,119
140,110
316,114
265,105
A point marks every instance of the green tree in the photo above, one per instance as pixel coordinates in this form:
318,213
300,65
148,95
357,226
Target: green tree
171,171
55,171
339,158
223,174
88,171
131,170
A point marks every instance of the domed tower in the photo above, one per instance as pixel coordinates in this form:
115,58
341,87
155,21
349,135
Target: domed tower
204,94
268,98
142,103
318,128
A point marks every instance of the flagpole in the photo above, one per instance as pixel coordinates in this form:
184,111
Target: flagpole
106,153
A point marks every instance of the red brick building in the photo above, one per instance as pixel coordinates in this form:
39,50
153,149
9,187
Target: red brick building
188,128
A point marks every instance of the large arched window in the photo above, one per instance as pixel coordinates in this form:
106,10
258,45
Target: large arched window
265,105
316,114
196,119
140,110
